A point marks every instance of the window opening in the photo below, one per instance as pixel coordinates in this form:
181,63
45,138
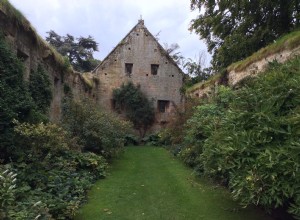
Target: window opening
128,69
163,105
154,69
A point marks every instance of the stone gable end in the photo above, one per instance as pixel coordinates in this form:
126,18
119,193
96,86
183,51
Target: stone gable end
139,58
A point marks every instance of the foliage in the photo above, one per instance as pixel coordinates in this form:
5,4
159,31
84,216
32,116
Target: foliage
249,139
131,140
11,207
138,109
171,50
52,170
196,70
40,89
234,30
97,131
287,42
79,51
174,134
44,138
15,99
152,140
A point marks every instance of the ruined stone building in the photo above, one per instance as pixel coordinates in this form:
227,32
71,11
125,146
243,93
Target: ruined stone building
139,58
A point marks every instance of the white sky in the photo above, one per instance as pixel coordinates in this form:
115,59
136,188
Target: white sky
108,21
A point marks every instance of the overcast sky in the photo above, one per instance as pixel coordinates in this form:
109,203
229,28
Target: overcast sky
108,21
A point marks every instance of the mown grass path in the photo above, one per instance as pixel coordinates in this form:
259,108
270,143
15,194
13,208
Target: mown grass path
148,183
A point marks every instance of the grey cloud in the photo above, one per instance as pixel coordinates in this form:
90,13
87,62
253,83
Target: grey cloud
109,21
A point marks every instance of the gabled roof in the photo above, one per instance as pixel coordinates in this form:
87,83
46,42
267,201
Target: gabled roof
140,24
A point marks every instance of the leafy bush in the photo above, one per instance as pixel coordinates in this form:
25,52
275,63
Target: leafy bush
249,139
53,171
10,206
98,132
152,140
174,134
44,138
131,139
138,109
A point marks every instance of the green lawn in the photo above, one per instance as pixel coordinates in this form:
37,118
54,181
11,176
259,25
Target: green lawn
148,183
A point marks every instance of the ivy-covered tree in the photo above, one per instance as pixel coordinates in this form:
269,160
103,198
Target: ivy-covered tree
235,29
138,109
78,50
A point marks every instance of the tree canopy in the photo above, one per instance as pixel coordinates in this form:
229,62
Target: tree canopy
78,50
235,29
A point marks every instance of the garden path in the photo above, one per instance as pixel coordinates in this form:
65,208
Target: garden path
149,183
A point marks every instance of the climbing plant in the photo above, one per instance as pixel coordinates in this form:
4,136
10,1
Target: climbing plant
40,89
15,99
134,103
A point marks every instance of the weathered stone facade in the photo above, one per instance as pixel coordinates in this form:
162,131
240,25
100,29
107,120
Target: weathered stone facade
139,58
234,76
34,51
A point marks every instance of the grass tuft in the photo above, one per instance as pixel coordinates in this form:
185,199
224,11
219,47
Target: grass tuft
87,79
201,85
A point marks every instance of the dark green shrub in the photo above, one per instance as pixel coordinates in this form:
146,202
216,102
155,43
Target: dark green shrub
174,133
40,89
131,139
54,171
138,109
98,132
15,100
249,139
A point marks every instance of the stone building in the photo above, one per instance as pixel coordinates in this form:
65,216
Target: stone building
139,58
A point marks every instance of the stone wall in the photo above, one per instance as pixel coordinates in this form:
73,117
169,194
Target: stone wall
233,76
30,48
139,47
259,66
142,50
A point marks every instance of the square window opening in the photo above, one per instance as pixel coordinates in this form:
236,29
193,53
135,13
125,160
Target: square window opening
163,105
154,69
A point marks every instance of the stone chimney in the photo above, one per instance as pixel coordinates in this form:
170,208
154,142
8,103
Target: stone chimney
141,21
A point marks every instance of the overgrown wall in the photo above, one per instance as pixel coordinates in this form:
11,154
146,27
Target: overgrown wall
235,75
250,67
33,50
